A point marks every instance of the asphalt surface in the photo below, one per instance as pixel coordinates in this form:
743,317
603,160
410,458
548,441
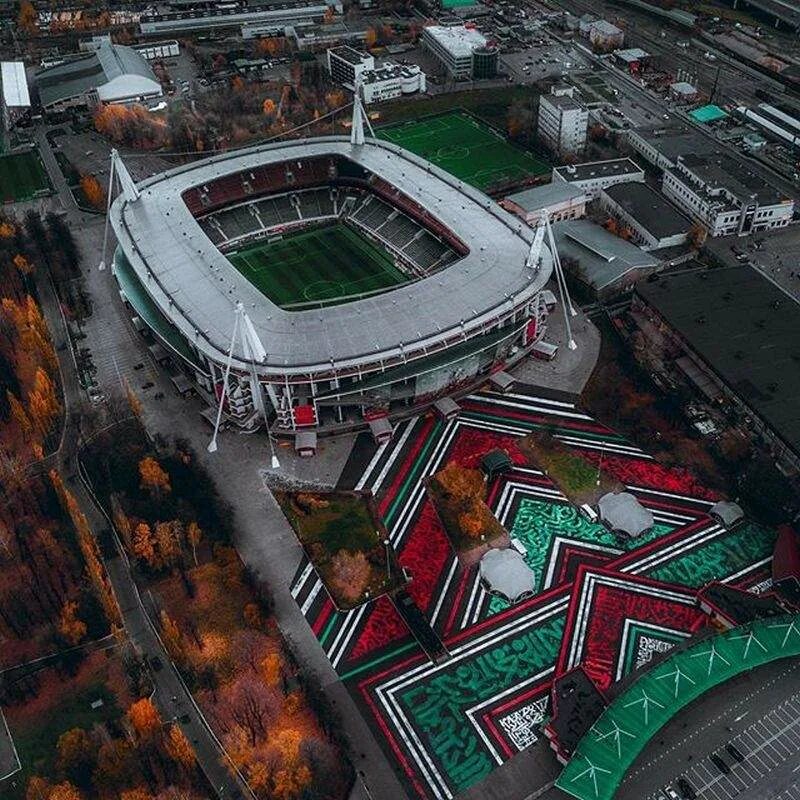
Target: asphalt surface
242,472
171,695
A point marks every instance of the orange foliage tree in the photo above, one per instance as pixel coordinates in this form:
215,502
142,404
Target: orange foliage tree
94,193
144,718
70,626
178,747
350,574
153,477
64,791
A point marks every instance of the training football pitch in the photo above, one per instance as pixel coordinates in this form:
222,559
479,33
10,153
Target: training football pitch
466,148
324,266
22,176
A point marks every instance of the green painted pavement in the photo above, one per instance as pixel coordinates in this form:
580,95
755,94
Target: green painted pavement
607,751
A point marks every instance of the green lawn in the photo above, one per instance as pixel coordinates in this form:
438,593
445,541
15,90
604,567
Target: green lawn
22,176
466,148
324,266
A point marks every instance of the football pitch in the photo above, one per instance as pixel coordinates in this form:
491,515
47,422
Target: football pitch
22,176
324,266
466,148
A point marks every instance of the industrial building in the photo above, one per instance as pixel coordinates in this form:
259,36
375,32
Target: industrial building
560,200
601,263
463,52
562,121
593,176
725,195
16,98
389,81
654,221
733,334
110,74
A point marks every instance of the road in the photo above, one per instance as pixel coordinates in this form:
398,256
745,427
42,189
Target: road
171,695
242,473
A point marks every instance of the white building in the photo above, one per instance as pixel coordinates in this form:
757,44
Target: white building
464,52
593,176
725,195
389,81
559,199
562,121
346,64
16,99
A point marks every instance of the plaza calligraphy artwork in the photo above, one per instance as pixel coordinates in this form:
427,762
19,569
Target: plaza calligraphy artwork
444,727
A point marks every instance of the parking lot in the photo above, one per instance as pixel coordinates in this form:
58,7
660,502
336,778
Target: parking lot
543,61
761,762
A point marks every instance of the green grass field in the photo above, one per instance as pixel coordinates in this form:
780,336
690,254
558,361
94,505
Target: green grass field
22,176
324,266
466,148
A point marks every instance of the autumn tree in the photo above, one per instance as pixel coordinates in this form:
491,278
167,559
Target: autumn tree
178,747
89,550
77,754
153,477
350,574
94,193
71,628
37,788
272,669
27,18
64,791
194,535
171,636
144,719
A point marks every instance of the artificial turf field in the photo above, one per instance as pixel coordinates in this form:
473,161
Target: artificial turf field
22,176
466,148
323,266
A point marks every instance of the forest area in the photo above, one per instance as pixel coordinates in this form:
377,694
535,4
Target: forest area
216,618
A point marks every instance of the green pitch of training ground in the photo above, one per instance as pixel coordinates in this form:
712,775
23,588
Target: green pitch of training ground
22,177
466,148
324,266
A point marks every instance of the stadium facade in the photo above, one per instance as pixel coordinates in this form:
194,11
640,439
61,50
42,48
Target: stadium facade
331,357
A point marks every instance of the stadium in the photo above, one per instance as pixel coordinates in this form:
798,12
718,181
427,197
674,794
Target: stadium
365,282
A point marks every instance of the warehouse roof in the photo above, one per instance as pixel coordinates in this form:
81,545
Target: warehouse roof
15,85
603,257
543,196
649,208
112,70
458,40
589,170
746,330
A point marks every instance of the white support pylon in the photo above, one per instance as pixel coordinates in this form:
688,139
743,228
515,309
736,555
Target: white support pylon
561,281
212,445
360,117
117,170
255,351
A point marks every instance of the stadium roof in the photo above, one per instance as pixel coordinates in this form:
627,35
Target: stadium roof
113,71
746,330
612,744
649,208
603,257
15,85
196,287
